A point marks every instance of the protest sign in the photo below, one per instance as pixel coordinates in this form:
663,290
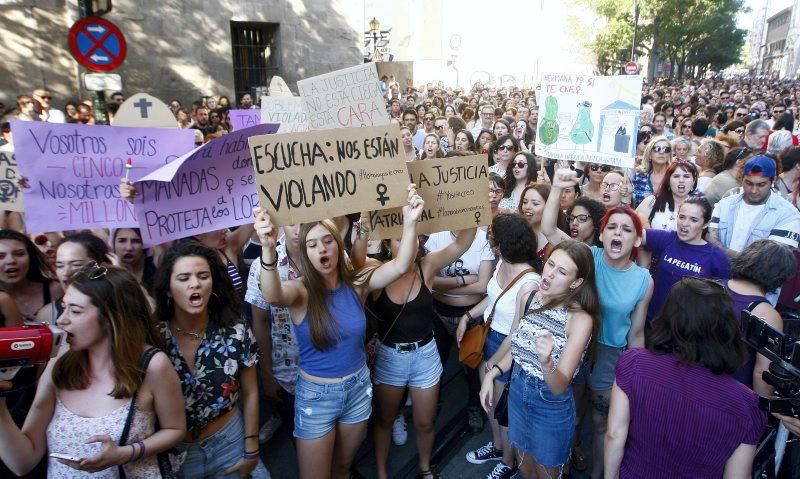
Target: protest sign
309,176
210,188
349,97
456,194
241,119
589,118
145,110
73,171
290,112
278,87
10,194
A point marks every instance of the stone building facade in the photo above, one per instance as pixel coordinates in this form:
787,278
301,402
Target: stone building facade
182,49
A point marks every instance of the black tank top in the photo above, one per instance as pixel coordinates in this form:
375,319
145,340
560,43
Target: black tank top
415,322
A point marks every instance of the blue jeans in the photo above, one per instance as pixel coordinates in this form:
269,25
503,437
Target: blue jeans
420,368
540,423
492,344
209,458
318,407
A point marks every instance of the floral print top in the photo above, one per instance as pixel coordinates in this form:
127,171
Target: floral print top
213,389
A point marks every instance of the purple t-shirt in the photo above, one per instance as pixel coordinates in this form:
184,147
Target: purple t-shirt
685,421
675,260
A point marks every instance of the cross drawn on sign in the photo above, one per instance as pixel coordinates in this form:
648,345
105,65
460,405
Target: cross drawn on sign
143,105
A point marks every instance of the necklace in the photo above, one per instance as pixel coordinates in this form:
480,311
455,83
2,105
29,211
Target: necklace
197,336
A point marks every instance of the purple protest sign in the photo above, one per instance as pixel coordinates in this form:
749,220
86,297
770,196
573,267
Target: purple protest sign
73,171
241,119
210,188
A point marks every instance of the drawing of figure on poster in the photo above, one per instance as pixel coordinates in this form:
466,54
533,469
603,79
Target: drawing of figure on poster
583,129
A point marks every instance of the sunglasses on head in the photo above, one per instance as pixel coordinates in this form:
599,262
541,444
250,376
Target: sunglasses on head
662,149
92,271
603,168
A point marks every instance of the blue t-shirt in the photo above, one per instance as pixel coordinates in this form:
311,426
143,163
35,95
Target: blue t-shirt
619,291
345,357
675,259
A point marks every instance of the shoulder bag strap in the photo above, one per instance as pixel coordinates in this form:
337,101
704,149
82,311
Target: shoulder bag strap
126,429
510,285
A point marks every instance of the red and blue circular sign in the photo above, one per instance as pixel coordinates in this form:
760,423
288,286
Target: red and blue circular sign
97,44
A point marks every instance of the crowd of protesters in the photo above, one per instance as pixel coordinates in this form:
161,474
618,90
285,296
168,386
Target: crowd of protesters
614,296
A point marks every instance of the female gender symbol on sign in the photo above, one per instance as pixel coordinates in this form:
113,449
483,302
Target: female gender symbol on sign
97,44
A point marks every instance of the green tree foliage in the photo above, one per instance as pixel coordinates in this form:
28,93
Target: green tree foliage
695,36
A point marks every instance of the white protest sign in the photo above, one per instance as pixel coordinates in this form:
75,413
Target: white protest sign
290,112
10,193
344,98
591,119
144,110
278,87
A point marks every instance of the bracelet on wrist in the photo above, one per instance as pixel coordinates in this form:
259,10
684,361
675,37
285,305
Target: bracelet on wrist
551,371
269,266
498,368
250,457
141,450
133,453
251,436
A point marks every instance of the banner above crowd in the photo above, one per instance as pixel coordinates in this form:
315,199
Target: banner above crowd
305,177
210,188
591,119
74,170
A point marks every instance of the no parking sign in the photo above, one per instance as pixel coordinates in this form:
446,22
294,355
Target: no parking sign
97,44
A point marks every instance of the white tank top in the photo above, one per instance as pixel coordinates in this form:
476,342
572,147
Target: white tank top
507,306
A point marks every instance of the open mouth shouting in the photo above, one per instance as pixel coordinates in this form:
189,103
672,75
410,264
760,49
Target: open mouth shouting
196,300
615,246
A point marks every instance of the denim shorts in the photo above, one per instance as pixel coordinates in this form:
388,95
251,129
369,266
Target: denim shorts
540,423
209,458
493,342
420,368
318,407
602,369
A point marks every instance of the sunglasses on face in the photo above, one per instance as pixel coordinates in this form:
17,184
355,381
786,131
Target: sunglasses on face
739,115
687,126
739,130
662,149
603,168
428,118
580,218
520,164
506,148
46,97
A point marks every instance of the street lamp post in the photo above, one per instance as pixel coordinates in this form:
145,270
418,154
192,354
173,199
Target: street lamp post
374,27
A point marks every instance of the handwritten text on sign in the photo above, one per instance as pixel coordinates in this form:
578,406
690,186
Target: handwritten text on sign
210,188
290,112
74,170
349,97
241,119
456,194
10,194
305,177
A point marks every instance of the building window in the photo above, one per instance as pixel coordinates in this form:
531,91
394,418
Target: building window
253,45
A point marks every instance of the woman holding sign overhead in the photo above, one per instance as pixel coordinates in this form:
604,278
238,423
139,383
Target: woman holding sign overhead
334,393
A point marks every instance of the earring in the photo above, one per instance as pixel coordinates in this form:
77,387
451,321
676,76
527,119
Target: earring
573,286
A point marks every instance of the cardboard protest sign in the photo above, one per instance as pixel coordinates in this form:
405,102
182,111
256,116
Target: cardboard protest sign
309,176
456,194
241,119
290,112
589,118
10,194
73,171
210,188
145,110
278,87
349,97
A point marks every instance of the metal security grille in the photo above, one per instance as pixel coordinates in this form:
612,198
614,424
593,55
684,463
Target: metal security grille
254,56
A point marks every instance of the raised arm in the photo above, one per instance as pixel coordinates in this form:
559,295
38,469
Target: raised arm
273,289
409,244
562,178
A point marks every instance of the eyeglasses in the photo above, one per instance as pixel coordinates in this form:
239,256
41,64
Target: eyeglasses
520,164
506,148
92,271
662,149
438,127
611,186
428,118
739,115
603,168
580,218
497,191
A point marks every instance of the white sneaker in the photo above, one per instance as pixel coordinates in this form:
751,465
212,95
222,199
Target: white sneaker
400,430
268,429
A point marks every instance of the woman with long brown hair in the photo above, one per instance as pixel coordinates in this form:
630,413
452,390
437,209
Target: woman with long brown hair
333,398
83,398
